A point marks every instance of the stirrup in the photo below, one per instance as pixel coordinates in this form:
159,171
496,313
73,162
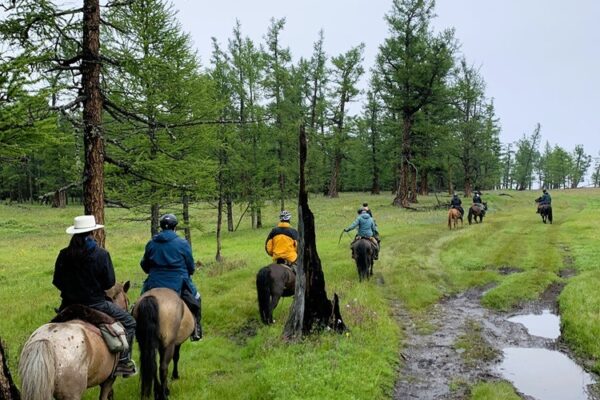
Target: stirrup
126,368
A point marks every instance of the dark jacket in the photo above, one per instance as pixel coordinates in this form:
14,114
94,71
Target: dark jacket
477,199
84,283
169,263
455,202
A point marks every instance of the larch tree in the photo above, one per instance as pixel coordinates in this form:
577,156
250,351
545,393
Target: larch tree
413,64
346,71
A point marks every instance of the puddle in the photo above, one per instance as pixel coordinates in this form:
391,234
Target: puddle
546,325
545,374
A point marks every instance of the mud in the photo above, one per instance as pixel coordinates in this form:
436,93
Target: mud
434,367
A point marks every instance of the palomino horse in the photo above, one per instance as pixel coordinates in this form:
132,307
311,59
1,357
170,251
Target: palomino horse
363,254
62,359
453,217
477,210
273,282
163,323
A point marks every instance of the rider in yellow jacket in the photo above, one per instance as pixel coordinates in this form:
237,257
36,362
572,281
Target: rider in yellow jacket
282,242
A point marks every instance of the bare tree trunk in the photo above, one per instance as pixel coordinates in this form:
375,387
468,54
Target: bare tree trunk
8,390
186,218
311,308
413,185
93,171
218,256
402,199
335,176
424,184
154,216
229,204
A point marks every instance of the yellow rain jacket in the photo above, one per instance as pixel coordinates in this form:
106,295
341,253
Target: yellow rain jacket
282,243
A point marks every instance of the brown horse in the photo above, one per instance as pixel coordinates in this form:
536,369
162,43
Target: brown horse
62,359
363,255
163,323
477,210
273,282
453,217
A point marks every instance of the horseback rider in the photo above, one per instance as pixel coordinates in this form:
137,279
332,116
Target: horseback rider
477,198
366,229
282,242
544,200
366,207
455,202
169,263
83,272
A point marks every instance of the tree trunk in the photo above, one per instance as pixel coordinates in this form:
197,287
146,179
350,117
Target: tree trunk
93,171
413,185
424,184
229,204
335,176
218,256
8,390
402,199
375,189
311,309
154,217
186,218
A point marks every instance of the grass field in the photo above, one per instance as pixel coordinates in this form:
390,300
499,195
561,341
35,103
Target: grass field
421,261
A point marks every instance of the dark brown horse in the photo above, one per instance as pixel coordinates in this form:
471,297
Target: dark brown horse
273,282
163,323
62,359
477,210
363,255
546,212
453,217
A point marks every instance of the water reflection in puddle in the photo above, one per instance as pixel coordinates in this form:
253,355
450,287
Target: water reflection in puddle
546,325
544,374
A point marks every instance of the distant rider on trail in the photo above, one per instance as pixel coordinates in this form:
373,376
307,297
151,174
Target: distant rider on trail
366,229
455,202
169,263
544,200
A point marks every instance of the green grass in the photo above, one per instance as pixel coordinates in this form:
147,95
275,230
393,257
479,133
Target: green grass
421,261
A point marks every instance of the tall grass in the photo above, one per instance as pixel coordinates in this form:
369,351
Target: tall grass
421,261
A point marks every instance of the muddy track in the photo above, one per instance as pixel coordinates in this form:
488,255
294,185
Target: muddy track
433,367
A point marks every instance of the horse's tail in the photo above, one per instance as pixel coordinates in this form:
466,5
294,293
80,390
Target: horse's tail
37,368
470,216
263,290
450,219
362,260
147,334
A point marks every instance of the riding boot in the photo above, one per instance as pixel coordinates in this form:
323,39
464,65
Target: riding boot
194,303
126,366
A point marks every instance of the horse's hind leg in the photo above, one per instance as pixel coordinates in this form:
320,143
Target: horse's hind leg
165,358
274,301
106,392
175,374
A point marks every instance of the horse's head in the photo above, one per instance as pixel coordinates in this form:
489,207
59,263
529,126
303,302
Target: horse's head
118,295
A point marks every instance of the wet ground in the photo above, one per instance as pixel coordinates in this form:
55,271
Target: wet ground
467,343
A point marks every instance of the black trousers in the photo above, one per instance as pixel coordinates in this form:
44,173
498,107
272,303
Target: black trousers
194,304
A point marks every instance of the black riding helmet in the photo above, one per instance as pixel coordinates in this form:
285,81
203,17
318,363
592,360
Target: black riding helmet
168,221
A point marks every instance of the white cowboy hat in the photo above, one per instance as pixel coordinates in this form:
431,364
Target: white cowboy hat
83,223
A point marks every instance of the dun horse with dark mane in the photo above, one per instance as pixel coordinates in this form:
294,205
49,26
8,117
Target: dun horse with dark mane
62,359
164,322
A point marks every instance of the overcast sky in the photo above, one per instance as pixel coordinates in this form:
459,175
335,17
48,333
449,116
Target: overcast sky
539,58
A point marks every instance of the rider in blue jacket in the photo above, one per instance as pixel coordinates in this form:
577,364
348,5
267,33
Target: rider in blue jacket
366,229
169,263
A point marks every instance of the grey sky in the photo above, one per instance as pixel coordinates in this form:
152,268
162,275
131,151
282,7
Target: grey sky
539,58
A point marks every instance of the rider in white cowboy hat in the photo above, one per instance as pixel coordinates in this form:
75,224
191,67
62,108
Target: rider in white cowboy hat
82,273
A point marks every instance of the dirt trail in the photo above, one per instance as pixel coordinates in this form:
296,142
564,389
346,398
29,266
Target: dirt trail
434,369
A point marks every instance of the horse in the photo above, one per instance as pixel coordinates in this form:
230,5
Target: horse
546,212
453,216
62,359
273,282
363,255
163,323
477,210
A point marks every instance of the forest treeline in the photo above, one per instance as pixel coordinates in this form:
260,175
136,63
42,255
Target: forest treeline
108,103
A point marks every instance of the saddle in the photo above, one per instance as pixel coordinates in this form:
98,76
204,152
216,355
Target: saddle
287,264
110,329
